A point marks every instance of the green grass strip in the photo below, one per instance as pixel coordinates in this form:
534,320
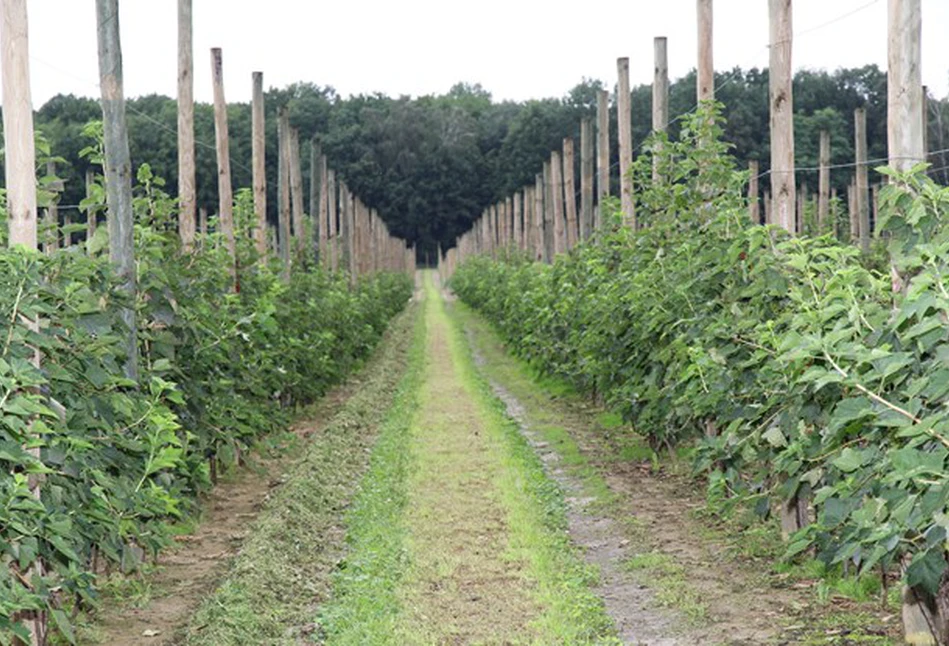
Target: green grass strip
572,612
284,568
365,606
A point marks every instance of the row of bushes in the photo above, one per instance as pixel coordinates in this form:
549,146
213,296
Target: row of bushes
97,466
805,381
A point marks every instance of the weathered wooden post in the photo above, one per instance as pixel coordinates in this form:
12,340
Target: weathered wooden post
705,78
586,179
754,213
259,162
91,214
862,185
660,95
225,190
296,193
186,163
782,116
323,212
602,150
118,169
283,190
537,221
20,175
556,187
316,154
924,620
569,194
625,129
549,244
823,192
332,203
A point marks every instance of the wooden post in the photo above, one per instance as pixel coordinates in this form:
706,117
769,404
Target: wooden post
516,214
569,194
224,189
586,179
537,221
625,127
283,190
203,216
549,248
754,212
782,116
259,162
118,169
345,227
186,162
51,220
705,78
91,214
823,194
296,191
905,87
20,174
332,201
556,187
323,212
602,147
852,212
316,182
768,219
660,95
862,187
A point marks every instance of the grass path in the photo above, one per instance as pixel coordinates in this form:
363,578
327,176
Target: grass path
457,536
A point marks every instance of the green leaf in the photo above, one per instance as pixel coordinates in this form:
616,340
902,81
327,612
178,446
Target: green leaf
926,569
849,460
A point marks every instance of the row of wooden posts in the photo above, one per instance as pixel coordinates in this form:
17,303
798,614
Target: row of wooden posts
544,220
338,230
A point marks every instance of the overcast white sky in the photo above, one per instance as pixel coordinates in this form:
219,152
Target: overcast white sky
517,49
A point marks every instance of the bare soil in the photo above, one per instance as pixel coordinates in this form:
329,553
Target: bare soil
189,571
654,511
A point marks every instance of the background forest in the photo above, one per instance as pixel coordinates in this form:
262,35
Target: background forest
430,165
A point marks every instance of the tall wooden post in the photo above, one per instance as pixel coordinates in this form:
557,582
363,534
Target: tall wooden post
660,95
823,191
332,201
782,116
852,213
283,190
768,217
20,175
51,220
186,163
586,179
862,184
705,78
118,168
537,221
754,213
296,191
91,214
602,146
549,244
316,183
625,129
905,87
259,162
556,187
924,104
203,220
225,190
569,194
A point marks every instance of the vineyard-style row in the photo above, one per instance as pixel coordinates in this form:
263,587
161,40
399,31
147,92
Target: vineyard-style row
120,460
812,379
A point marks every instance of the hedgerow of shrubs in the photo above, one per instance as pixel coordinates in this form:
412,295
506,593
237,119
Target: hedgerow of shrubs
96,466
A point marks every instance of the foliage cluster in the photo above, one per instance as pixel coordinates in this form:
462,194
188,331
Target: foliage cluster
791,363
97,466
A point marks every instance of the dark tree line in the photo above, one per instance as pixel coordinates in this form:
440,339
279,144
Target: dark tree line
430,165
